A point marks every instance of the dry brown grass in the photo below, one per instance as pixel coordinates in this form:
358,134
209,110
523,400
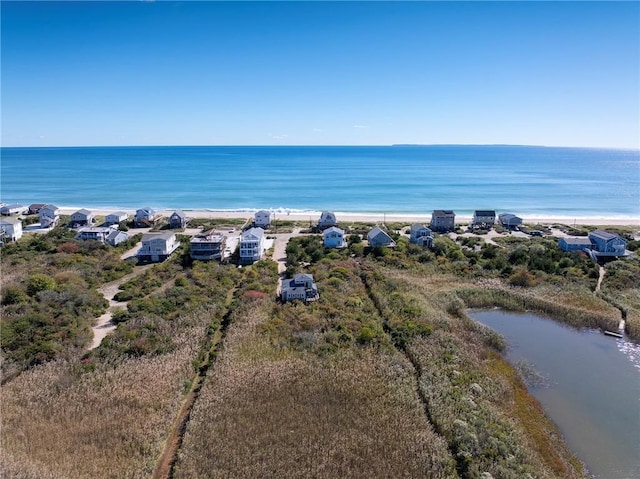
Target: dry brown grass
67,421
268,412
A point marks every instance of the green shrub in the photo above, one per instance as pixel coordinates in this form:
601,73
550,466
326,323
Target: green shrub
522,278
13,295
39,282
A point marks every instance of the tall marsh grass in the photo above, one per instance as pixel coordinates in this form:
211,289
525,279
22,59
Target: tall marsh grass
286,413
104,419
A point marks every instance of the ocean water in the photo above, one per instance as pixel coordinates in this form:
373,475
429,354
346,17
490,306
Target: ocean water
528,181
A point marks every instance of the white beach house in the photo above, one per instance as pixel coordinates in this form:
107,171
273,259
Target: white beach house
420,234
262,219
251,245
10,229
49,216
13,210
378,237
301,287
207,246
145,217
116,217
157,246
327,220
443,221
509,220
333,237
178,219
82,217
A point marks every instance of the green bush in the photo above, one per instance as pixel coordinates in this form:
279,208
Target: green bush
39,282
13,295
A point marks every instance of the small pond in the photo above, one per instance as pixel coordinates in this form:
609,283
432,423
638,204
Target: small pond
588,383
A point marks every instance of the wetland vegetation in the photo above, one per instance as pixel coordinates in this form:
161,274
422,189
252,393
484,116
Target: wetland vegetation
385,375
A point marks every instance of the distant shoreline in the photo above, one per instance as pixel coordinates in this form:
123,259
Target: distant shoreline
347,217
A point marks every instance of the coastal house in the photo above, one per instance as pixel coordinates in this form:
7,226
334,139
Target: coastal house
251,245
82,217
95,233
262,219
333,237
327,220
378,237
509,220
157,246
607,244
420,234
483,219
103,234
10,229
443,221
116,237
116,217
301,287
34,208
13,210
145,217
178,219
574,243
207,246
49,216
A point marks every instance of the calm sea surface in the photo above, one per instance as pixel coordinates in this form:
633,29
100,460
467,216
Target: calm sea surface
593,390
564,182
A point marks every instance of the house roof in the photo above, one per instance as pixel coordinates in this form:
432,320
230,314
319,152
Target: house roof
167,235
96,229
508,216
12,221
443,213
115,233
252,233
263,212
303,277
376,231
327,216
146,210
333,229
118,213
83,212
50,207
418,226
208,237
577,240
484,213
11,207
179,213
603,235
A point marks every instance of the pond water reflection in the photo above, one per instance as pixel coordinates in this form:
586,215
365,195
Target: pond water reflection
591,388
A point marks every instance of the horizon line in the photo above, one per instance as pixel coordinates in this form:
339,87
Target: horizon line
636,148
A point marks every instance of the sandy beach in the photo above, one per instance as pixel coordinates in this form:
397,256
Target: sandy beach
366,217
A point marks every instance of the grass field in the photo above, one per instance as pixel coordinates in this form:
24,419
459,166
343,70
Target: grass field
384,376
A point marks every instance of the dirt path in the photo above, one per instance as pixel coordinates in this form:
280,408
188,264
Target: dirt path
600,278
104,324
173,443
280,253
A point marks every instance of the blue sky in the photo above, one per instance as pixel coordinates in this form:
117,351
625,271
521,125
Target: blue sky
320,73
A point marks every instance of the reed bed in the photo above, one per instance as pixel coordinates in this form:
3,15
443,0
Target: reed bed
105,419
268,411
493,426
